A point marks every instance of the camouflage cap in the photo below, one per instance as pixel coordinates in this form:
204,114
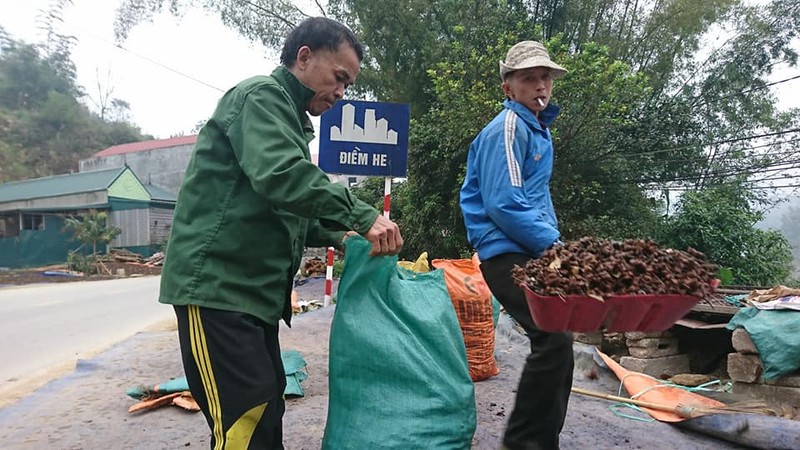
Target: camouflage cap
527,54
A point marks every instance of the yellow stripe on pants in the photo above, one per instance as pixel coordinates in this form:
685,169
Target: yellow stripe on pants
203,362
239,435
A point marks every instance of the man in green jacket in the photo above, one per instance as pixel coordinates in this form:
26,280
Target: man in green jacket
250,202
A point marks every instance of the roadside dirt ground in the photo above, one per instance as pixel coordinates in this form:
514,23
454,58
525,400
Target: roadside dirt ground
87,409
36,275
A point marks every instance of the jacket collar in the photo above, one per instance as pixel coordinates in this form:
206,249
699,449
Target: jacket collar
298,92
546,117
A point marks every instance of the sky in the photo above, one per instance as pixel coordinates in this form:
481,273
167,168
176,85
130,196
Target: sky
211,57
163,103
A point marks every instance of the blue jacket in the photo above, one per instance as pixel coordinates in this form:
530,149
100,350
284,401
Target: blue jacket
505,198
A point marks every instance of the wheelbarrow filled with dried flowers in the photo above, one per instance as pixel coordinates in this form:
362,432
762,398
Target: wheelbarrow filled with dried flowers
633,285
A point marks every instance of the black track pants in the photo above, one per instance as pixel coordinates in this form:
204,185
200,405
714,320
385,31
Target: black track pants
544,388
232,362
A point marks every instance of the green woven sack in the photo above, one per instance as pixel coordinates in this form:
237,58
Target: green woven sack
398,371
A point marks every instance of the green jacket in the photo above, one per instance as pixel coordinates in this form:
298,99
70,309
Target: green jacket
251,200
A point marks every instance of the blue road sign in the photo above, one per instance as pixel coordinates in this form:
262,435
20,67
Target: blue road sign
364,138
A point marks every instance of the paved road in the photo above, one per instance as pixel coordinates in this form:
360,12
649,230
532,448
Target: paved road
45,329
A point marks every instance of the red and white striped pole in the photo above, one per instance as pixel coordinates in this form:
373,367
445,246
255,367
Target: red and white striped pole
328,278
387,195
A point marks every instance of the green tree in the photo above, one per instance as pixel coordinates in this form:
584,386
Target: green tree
371,190
45,128
407,37
92,229
27,78
599,97
720,222
644,112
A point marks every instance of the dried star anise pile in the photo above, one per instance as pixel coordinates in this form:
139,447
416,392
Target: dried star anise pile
314,266
598,268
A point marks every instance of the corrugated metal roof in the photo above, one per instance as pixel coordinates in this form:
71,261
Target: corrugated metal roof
160,195
143,146
56,185
60,209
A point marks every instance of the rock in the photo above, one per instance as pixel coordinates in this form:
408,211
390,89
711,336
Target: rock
595,338
690,379
745,368
664,367
742,343
653,347
646,335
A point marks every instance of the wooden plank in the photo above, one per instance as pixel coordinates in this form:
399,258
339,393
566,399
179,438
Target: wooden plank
716,309
699,324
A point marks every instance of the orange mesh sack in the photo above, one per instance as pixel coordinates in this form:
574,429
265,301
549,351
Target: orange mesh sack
472,301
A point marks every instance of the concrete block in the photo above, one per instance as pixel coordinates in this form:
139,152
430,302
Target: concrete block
745,368
750,369
774,396
595,338
652,347
645,335
651,353
791,380
742,343
664,367
651,342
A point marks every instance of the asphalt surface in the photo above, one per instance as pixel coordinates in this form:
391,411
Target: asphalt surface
87,408
46,328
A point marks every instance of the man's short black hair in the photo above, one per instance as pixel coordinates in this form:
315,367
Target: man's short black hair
318,33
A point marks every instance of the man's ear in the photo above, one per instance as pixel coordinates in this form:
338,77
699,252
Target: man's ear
303,57
506,89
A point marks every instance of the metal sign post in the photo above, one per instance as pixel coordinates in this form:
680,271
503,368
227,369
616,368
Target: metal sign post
387,195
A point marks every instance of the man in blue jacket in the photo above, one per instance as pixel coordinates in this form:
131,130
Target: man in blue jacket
505,200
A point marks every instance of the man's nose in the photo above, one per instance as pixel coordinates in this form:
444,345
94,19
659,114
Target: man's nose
339,92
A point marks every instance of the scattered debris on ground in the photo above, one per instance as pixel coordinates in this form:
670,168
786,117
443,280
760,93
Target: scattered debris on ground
46,274
313,267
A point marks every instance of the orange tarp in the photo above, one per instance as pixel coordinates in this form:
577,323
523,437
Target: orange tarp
646,388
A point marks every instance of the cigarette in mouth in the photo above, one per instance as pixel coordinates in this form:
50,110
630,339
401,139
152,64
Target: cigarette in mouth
541,103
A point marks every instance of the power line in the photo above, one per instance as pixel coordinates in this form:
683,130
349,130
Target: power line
259,8
733,171
709,176
149,60
786,186
726,157
163,66
747,91
720,175
717,173
776,82
724,141
783,177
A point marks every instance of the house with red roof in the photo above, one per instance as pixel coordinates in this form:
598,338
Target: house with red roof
158,162
162,162
135,183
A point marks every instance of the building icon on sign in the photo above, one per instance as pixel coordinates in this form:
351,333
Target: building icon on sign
373,132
